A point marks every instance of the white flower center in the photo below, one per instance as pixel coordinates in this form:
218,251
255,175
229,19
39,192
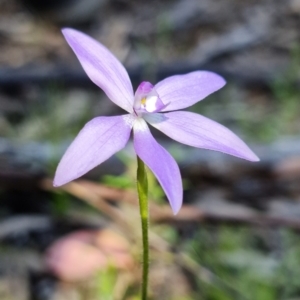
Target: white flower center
150,103
147,100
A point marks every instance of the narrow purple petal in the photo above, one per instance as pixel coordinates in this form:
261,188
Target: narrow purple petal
98,140
182,91
198,131
103,68
160,162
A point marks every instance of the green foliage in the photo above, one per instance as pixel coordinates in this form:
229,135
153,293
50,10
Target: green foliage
60,204
128,179
154,189
244,264
106,281
121,181
167,232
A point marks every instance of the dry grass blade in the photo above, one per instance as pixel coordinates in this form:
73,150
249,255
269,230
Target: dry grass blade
89,195
98,194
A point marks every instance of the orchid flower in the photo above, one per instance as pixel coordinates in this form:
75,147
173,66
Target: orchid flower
157,105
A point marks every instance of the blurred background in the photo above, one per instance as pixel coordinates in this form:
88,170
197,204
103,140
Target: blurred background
237,236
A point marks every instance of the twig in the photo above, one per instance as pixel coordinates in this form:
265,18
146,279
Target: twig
188,213
82,192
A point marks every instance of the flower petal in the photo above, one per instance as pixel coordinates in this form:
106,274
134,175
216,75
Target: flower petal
97,141
160,162
103,68
182,91
198,131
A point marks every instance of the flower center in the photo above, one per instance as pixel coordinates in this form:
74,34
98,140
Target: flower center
147,99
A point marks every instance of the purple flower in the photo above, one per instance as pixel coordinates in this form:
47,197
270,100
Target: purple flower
103,136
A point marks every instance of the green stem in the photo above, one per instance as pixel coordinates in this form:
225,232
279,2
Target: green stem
142,187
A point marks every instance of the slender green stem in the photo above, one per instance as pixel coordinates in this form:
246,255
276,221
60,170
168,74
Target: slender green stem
142,187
